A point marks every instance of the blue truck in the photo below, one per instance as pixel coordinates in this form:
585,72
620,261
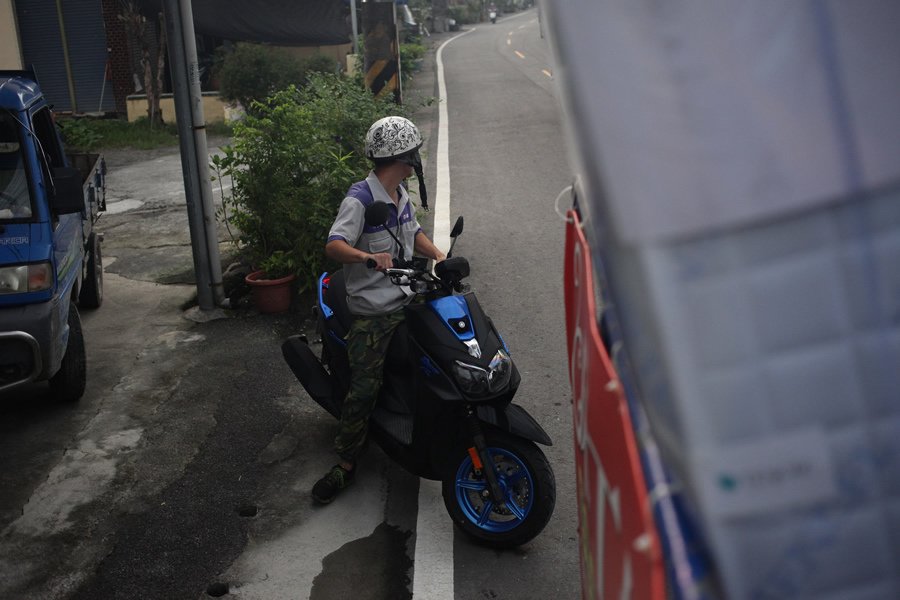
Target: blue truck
50,259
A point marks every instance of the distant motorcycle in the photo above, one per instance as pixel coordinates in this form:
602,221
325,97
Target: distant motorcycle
445,411
493,16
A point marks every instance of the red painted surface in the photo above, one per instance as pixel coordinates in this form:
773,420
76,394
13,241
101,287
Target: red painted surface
620,549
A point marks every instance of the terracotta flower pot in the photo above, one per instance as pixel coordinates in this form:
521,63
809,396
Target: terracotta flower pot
270,295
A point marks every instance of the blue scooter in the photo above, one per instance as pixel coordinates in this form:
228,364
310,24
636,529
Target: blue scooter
445,410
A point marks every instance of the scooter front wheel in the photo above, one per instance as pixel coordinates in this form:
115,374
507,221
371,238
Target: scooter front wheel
528,488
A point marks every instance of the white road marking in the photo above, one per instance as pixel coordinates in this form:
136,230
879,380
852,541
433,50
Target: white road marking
433,562
547,73
508,42
433,570
441,234
519,54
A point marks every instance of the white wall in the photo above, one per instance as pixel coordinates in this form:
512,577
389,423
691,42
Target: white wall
10,51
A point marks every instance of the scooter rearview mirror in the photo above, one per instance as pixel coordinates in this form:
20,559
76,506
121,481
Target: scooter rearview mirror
457,227
377,214
454,234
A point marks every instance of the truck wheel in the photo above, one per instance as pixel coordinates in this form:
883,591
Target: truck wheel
69,382
91,295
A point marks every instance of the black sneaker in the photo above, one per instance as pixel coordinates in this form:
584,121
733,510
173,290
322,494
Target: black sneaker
327,488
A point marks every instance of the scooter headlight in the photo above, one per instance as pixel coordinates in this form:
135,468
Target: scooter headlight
499,371
476,381
471,379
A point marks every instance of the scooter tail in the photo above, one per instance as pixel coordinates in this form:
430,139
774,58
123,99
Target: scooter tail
515,420
309,371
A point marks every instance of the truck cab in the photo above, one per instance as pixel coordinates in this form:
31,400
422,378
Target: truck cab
50,261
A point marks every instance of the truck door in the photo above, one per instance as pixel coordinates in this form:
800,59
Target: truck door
67,232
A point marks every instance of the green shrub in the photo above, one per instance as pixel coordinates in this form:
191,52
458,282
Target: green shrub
80,134
252,72
467,13
291,162
319,63
409,58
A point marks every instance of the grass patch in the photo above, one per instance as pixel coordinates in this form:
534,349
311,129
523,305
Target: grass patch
91,135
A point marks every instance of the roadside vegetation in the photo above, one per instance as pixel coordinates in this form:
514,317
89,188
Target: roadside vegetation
411,54
252,72
292,160
87,134
292,157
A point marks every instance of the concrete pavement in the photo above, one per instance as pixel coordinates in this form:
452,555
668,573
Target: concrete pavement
137,490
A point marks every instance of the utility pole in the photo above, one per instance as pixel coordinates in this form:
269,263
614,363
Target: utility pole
382,58
354,27
194,156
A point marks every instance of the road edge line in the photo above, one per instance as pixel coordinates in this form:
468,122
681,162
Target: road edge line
441,235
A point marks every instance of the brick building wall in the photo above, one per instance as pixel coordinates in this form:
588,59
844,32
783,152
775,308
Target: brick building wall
120,69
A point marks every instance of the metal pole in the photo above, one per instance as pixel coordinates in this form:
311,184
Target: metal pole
205,297
354,26
198,126
65,49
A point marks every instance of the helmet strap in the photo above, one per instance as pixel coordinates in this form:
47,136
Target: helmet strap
423,194
414,160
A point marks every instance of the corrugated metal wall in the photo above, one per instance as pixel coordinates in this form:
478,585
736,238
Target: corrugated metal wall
42,47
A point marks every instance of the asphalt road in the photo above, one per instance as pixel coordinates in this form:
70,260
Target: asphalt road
186,467
507,165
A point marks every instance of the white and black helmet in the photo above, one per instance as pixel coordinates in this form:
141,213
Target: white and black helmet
391,137
397,138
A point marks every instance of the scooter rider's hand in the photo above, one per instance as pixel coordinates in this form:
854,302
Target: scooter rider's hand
380,261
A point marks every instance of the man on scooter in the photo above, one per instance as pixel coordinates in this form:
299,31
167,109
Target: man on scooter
392,143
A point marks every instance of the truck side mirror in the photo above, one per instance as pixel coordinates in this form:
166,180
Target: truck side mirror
68,196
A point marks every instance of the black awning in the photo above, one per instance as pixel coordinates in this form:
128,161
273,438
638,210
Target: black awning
281,22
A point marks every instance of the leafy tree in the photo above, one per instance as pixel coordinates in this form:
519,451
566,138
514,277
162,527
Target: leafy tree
253,72
292,160
139,31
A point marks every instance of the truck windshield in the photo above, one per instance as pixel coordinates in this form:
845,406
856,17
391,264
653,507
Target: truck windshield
15,201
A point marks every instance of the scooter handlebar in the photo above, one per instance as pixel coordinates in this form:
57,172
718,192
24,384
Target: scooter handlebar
370,262
402,272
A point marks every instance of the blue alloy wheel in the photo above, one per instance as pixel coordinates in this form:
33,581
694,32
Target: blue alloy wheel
516,482
527,485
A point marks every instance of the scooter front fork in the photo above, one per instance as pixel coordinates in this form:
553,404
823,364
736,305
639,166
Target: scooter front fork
481,459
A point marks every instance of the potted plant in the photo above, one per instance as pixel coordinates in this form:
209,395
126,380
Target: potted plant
271,285
261,228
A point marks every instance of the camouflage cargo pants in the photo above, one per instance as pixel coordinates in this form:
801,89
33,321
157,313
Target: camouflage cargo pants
367,344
